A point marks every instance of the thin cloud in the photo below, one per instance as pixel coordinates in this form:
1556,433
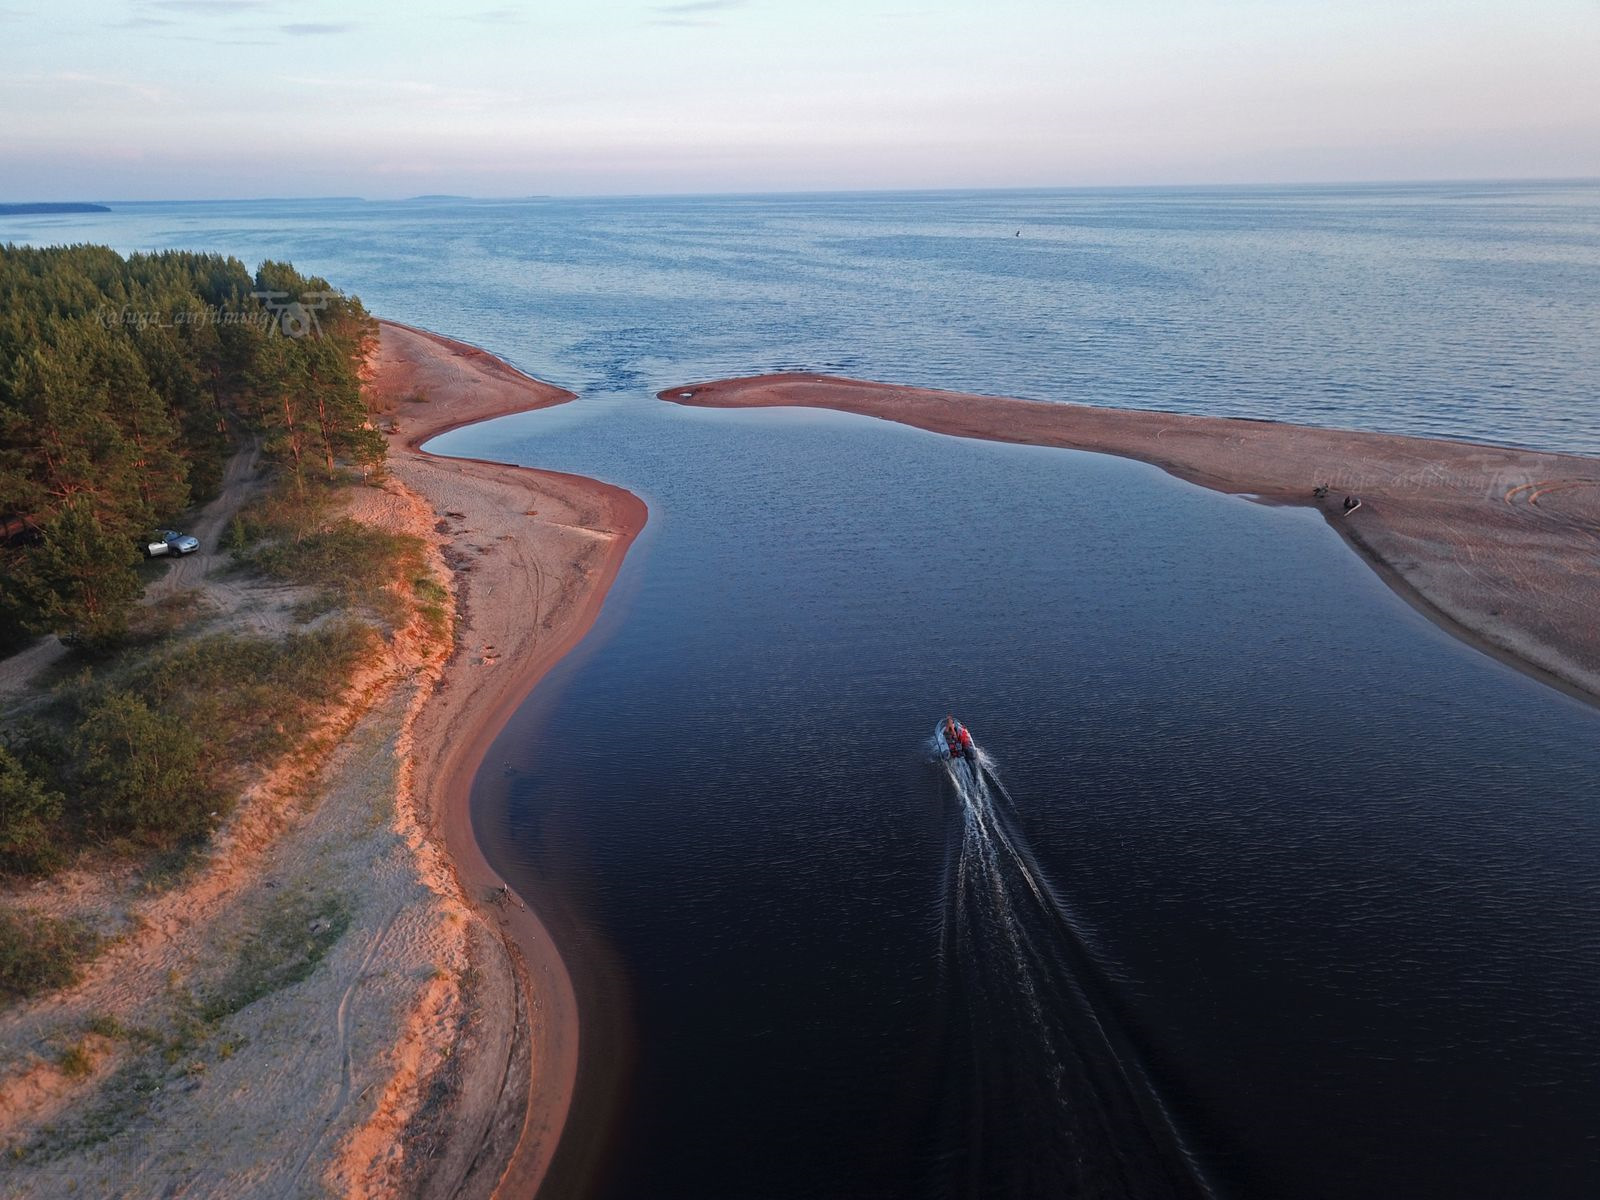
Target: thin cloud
692,14
494,16
81,80
223,41
409,91
696,6
214,8
143,23
313,28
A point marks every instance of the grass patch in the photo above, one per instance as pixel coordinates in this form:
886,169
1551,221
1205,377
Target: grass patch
429,590
348,563
122,1100
157,622
292,536
148,752
40,953
107,1026
285,513
255,697
433,606
281,952
284,949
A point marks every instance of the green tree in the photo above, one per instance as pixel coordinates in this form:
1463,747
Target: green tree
140,773
123,384
83,577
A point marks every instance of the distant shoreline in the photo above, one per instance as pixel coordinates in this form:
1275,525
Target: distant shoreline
43,209
1499,546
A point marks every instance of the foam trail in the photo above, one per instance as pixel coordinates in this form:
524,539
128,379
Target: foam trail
1049,1067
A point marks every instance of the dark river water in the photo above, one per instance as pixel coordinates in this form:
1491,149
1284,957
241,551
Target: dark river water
1269,888
1273,888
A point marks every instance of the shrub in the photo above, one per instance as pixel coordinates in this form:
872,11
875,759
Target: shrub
139,772
285,513
38,953
252,695
355,563
30,814
74,1061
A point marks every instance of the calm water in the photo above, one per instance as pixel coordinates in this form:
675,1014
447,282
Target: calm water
1288,893
1457,310
1273,889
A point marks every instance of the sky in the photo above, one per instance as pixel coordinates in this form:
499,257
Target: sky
218,99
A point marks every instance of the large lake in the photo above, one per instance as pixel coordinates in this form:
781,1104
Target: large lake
1272,889
1456,310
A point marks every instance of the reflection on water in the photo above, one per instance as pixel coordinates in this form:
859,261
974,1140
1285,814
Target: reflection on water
1456,310
1287,893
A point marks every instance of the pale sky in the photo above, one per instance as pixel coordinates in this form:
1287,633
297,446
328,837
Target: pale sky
177,99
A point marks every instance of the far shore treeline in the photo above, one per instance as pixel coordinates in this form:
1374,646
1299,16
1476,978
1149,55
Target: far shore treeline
125,384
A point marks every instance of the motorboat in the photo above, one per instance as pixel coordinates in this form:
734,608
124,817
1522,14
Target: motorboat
955,740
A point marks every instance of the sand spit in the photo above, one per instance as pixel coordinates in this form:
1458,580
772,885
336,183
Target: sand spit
533,554
1499,545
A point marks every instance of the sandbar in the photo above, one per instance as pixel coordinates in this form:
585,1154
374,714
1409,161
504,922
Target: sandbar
1500,545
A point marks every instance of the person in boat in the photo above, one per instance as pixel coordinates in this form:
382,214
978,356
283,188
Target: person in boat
957,738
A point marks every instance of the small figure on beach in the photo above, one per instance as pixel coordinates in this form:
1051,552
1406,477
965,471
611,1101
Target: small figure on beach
1320,491
1351,503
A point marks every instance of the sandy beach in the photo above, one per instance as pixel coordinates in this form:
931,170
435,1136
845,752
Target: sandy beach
433,1052
1499,545
533,554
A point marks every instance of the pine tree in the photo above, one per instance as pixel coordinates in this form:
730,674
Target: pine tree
108,427
82,576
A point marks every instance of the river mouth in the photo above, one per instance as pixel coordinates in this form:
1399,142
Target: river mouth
1313,912
1338,867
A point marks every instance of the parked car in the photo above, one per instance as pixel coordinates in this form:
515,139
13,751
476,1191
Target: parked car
170,541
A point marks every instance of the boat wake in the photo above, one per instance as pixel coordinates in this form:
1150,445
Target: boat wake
1048,1095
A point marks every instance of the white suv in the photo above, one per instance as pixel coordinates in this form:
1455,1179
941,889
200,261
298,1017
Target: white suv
170,541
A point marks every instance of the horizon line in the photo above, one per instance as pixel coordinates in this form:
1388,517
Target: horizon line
440,198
